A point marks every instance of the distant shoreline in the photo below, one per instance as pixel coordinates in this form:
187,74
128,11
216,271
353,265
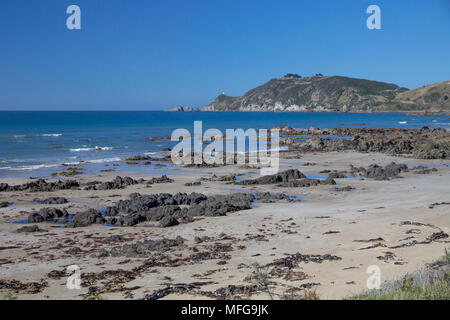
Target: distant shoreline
407,113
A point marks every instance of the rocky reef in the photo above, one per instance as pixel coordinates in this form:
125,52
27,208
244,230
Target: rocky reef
166,209
421,143
41,186
290,178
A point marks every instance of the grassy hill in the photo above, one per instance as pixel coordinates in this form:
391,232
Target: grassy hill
333,93
434,97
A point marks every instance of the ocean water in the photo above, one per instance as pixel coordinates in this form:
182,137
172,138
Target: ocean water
37,143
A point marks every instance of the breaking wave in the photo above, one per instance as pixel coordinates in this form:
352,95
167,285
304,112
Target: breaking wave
90,149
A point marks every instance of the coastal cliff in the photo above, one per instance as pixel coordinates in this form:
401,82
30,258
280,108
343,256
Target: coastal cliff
319,93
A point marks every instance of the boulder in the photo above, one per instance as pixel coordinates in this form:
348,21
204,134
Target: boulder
84,219
47,214
282,177
168,221
27,229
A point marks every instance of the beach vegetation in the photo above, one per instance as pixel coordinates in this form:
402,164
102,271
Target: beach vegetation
430,283
261,278
9,296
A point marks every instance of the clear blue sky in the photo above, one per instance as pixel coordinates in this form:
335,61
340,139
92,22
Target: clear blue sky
148,54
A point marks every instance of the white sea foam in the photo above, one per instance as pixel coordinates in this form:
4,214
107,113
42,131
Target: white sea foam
71,163
90,149
44,166
156,153
402,122
18,136
104,160
34,167
51,135
80,149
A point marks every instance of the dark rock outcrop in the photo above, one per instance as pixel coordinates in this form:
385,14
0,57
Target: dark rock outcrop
217,208
282,177
342,189
53,200
421,143
110,212
377,172
158,213
27,229
47,215
117,183
306,182
139,203
4,204
168,221
423,170
166,208
41,186
337,175
84,219
162,179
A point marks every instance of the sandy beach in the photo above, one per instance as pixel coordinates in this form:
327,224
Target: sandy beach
224,159
323,243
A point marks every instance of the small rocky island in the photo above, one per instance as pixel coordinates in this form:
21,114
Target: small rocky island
183,109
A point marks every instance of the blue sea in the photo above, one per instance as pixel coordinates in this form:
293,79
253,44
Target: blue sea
38,143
